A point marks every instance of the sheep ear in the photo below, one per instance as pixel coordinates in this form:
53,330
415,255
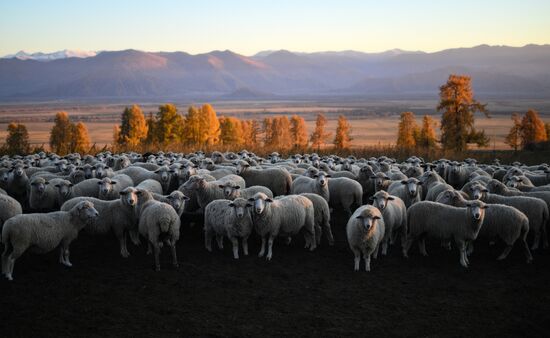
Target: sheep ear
186,198
221,186
371,199
376,217
171,171
231,204
468,205
268,200
315,176
485,206
113,182
237,187
328,175
123,193
46,182
251,199
391,198
139,192
484,190
57,185
99,183
70,185
419,183
249,205
373,177
404,182
359,217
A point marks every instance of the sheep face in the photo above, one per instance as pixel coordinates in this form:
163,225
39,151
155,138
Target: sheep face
379,180
381,198
347,164
239,205
322,179
129,196
64,188
77,176
311,172
476,191
19,170
207,164
164,173
229,189
477,209
367,220
242,167
412,186
274,157
194,183
39,185
106,186
101,170
297,159
496,187
61,165
188,171
86,211
260,202
177,199
88,171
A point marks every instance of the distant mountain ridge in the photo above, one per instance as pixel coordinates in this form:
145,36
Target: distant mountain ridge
62,54
497,71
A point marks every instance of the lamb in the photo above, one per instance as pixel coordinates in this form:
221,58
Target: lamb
9,207
206,191
176,199
232,191
408,190
365,231
444,222
317,185
394,213
321,217
535,209
276,179
151,186
43,233
228,218
502,221
345,192
159,223
282,217
118,216
110,188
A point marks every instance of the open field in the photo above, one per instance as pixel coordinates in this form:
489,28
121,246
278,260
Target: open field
374,122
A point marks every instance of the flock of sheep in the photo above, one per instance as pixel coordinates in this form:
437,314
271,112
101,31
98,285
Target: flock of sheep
46,199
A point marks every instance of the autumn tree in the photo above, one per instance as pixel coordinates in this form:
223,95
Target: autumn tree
133,127
319,137
210,126
281,133
61,134
513,139
268,132
427,137
532,129
231,131
343,138
407,130
151,123
298,131
169,124
457,122
80,141
17,140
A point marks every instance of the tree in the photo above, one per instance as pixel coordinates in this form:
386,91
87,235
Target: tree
152,136
231,131
281,133
427,137
210,126
457,122
298,131
319,136
80,141
17,140
169,126
407,130
532,129
61,134
268,132
343,138
133,127
513,139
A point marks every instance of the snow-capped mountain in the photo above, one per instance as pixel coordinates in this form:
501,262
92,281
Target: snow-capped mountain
62,54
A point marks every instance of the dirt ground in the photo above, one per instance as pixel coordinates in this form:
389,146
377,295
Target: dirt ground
298,293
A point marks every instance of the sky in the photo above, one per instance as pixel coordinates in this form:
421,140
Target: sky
249,26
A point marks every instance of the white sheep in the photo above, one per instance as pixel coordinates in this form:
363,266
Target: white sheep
282,217
9,207
316,185
365,231
394,212
409,190
228,218
110,188
278,180
322,217
444,222
206,191
102,170
345,193
176,199
231,191
43,233
150,185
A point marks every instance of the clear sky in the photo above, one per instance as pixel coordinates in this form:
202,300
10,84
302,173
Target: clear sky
249,26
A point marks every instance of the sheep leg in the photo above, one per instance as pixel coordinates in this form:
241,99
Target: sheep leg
134,237
270,247
66,255
245,246
462,248
357,259
219,239
536,241
505,253
123,250
149,249
422,247
404,249
375,252
235,243
156,250
174,255
318,234
527,251
385,247
262,250
407,247
5,255
366,256
544,237
330,237
61,256
16,253
208,240
469,248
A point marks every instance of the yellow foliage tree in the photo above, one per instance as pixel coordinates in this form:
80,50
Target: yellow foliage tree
231,131
210,126
427,136
532,129
281,133
268,132
319,137
407,130
61,134
342,140
133,127
513,139
298,131
17,140
169,124
80,141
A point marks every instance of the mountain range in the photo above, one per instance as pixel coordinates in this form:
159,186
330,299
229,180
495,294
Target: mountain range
496,71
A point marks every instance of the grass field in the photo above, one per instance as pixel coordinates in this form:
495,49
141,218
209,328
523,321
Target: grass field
374,122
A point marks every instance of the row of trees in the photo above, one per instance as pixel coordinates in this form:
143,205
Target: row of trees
527,131
201,127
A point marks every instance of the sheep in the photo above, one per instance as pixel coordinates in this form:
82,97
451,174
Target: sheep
276,179
365,231
158,223
228,218
150,185
43,196
444,222
17,183
500,188
118,216
43,233
345,193
206,191
522,183
321,216
394,212
367,183
67,190
282,217
324,167
535,209
381,181
102,170
232,191
502,221
138,174
408,190
429,179
110,188
458,175
176,199
317,185
9,207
